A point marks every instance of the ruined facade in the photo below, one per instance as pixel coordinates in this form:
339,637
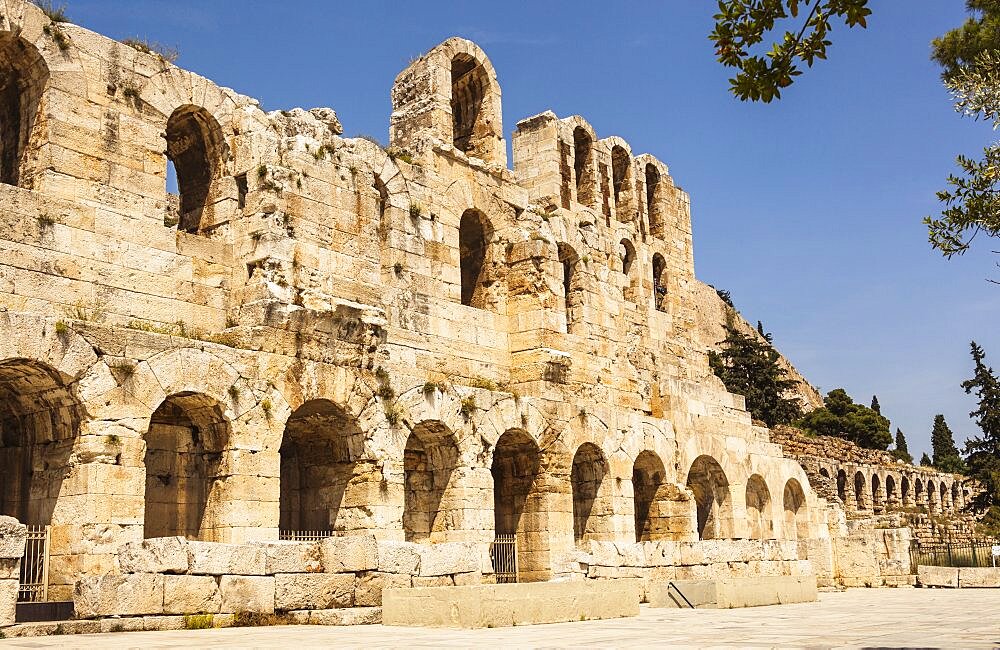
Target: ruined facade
318,334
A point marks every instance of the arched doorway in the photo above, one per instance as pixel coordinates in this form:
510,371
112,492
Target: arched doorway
592,510
23,77
572,290
708,482
842,485
518,507
474,235
890,492
195,148
185,442
859,490
758,502
877,500
583,166
649,498
429,460
796,514
318,455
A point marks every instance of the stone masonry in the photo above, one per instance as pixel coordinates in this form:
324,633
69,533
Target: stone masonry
320,336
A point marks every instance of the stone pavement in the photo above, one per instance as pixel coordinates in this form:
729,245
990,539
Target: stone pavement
966,618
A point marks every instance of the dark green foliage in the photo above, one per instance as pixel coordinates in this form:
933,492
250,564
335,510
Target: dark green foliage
971,206
725,297
875,405
983,452
901,452
946,456
742,25
962,46
748,366
925,460
842,418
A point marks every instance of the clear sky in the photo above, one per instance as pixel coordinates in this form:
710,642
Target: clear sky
807,210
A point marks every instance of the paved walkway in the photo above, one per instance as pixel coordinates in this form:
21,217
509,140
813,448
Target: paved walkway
965,618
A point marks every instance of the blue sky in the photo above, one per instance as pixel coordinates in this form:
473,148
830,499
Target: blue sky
808,210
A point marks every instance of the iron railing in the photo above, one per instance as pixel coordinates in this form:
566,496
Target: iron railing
503,553
304,535
34,586
968,554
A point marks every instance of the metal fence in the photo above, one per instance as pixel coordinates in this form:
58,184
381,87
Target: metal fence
969,554
34,587
304,535
503,553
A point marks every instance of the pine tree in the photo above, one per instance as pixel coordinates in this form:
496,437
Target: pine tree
749,367
901,452
925,460
984,451
946,456
875,405
842,418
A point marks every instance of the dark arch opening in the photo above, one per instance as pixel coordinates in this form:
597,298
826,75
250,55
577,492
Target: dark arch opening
708,482
904,491
591,514
890,491
659,282
621,164
652,196
796,514
649,498
758,502
429,460
468,88
842,485
859,490
628,256
23,77
583,165
319,452
518,503
187,436
877,500
196,147
474,235
572,291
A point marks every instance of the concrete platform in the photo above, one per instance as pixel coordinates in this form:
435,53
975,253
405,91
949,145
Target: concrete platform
729,593
480,606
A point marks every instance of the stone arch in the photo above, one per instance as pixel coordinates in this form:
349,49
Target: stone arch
652,177
572,286
39,424
824,472
860,487
658,269
932,496
24,76
185,444
519,503
627,254
622,182
877,498
842,485
650,494
474,236
955,495
890,491
904,491
707,480
796,511
758,504
943,497
592,507
429,461
583,166
197,149
319,452
918,492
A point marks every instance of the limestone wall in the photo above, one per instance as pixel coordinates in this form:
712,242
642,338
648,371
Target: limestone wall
12,536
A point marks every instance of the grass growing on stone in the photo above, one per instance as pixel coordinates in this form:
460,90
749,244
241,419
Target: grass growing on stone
198,621
257,619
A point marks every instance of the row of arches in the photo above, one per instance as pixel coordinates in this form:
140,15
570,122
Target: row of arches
888,491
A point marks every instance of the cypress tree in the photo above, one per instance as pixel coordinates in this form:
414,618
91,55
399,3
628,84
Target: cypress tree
875,405
984,451
749,367
901,452
946,456
925,460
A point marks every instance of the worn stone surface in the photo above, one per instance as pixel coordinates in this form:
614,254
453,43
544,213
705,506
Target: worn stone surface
136,594
292,557
246,594
349,554
156,555
979,577
313,591
217,559
8,600
190,595
937,576
12,534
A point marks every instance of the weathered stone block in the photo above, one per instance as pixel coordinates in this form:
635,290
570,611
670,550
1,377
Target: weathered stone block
978,577
448,558
937,576
398,557
368,591
247,594
10,568
8,600
291,557
313,590
12,535
135,594
349,554
190,595
154,555
211,558
344,616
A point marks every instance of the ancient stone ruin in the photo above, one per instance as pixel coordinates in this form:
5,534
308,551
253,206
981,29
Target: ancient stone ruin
483,373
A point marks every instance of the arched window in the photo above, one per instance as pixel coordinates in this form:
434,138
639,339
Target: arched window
859,490
758,501
429,460
652,199
842,485
468,87
195,147
824,472
904,492
187,436
628,256
473,246
796,515
317,465
592,508
572,291
918,492
708,482
621,166
659,282
23,76
649,498
890,491
931,497
583,165
877,500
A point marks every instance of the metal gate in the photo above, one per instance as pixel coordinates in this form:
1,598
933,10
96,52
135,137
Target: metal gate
34,586
503,552
304,535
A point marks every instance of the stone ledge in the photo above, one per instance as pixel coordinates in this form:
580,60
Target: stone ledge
954,577
481,606
729,593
